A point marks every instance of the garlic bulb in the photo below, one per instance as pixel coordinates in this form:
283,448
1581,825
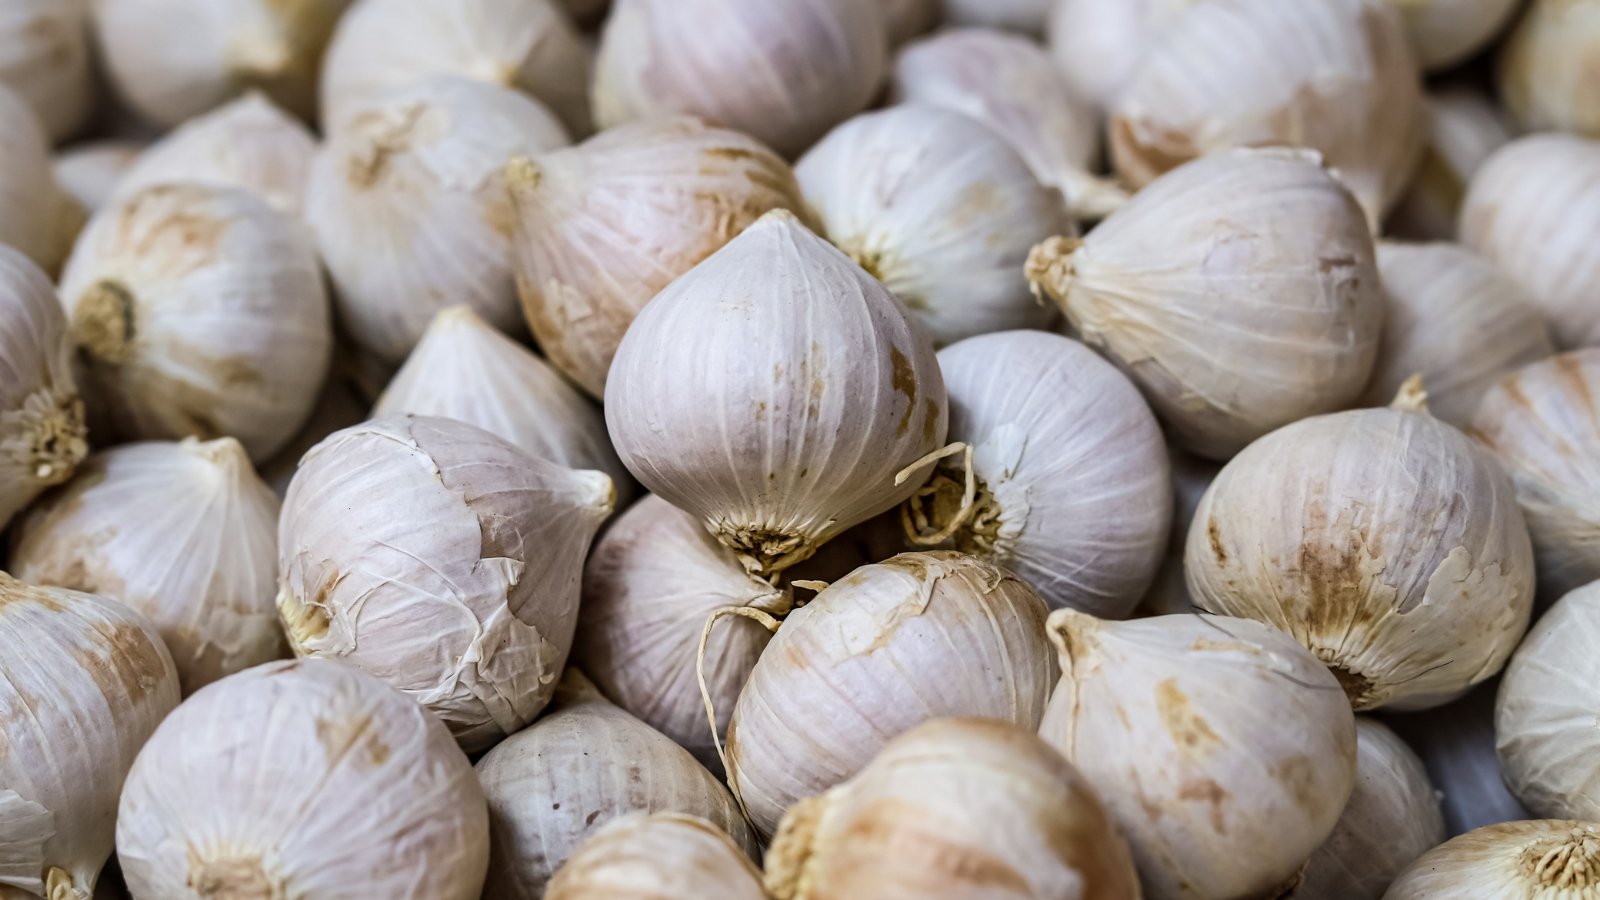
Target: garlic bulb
465,594
954,808
44,57
1072,493
1546,68
83,683
37,216
185,534
1098,44
1240,292
302,778
1392,818
528,45
1222,750
1465,126
657,857
603,227
197,311
650,584
1027,16
172,60
892,645
1383,540
781,71
1333,75
340,405
1454,319
1539,860
1010,84
1456,744
1445,33
1531,208
775,392
941,210
554,784
907,19
410,210
247,143
1168,593
42,435
91,172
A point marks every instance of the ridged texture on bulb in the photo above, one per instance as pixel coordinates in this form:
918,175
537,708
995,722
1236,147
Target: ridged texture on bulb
1222,750
603,227
1547,67
1074,493
1098,44
1168,593
953,809
648,588
84,681
1455,319
1240,292
1027,16
42,434
185,534
909,18
44,57
527,45
1447,32
775,391
941,210
1456,744
922,636
197,312
1532,209
408,202
1537,860
781,71
91,172
37,216
443,560
657,857
1336,76
1465,126
172,60
303,778
579,767
1383,540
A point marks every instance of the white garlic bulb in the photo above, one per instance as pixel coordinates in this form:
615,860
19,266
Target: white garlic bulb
1547,67
341,404
781,71
1445,33
1168,593
1098,44
91,172
1531,208
1535,860
583,764
775,392
1465,126
466,594
84,682
1073,491
954,808
1456,744
1240,292
302,777
1336,76
908,18
37,216
527,45
1455,319
603,227
44,57
197,311
940,209
1027,16
657,857
1222,750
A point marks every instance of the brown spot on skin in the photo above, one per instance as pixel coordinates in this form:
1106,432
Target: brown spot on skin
761,411
732,154
230,879
904,381
1299,778
589,819
1189,731
930,422
124,660
1214,533
355,739
1207,791
1326,264
930,862
1570,370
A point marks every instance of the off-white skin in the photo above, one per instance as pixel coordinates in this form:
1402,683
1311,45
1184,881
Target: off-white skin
1465,126
1098,44
955,808
185,533
1383,540
1546,68
775,391
1240,292
922,636
783,72
1222,750
91,172
1530,209
939,208
907,19
584,764
443,560
1534,860
657,857
1456,744
1447,32
651,583
37,216
83,683
197,311
1336,76
304,778
1026,16
603,227
44,57
409,206
530,46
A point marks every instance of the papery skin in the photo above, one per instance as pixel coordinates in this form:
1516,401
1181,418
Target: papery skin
954,808
465,595
1168,592
1546,69
1533,860
197,311
657,857
1465,126
1456,744
1221,749
1447,32
1098,44
302,778
580,766
44,57
1026,16
83,683
37,217
90,172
